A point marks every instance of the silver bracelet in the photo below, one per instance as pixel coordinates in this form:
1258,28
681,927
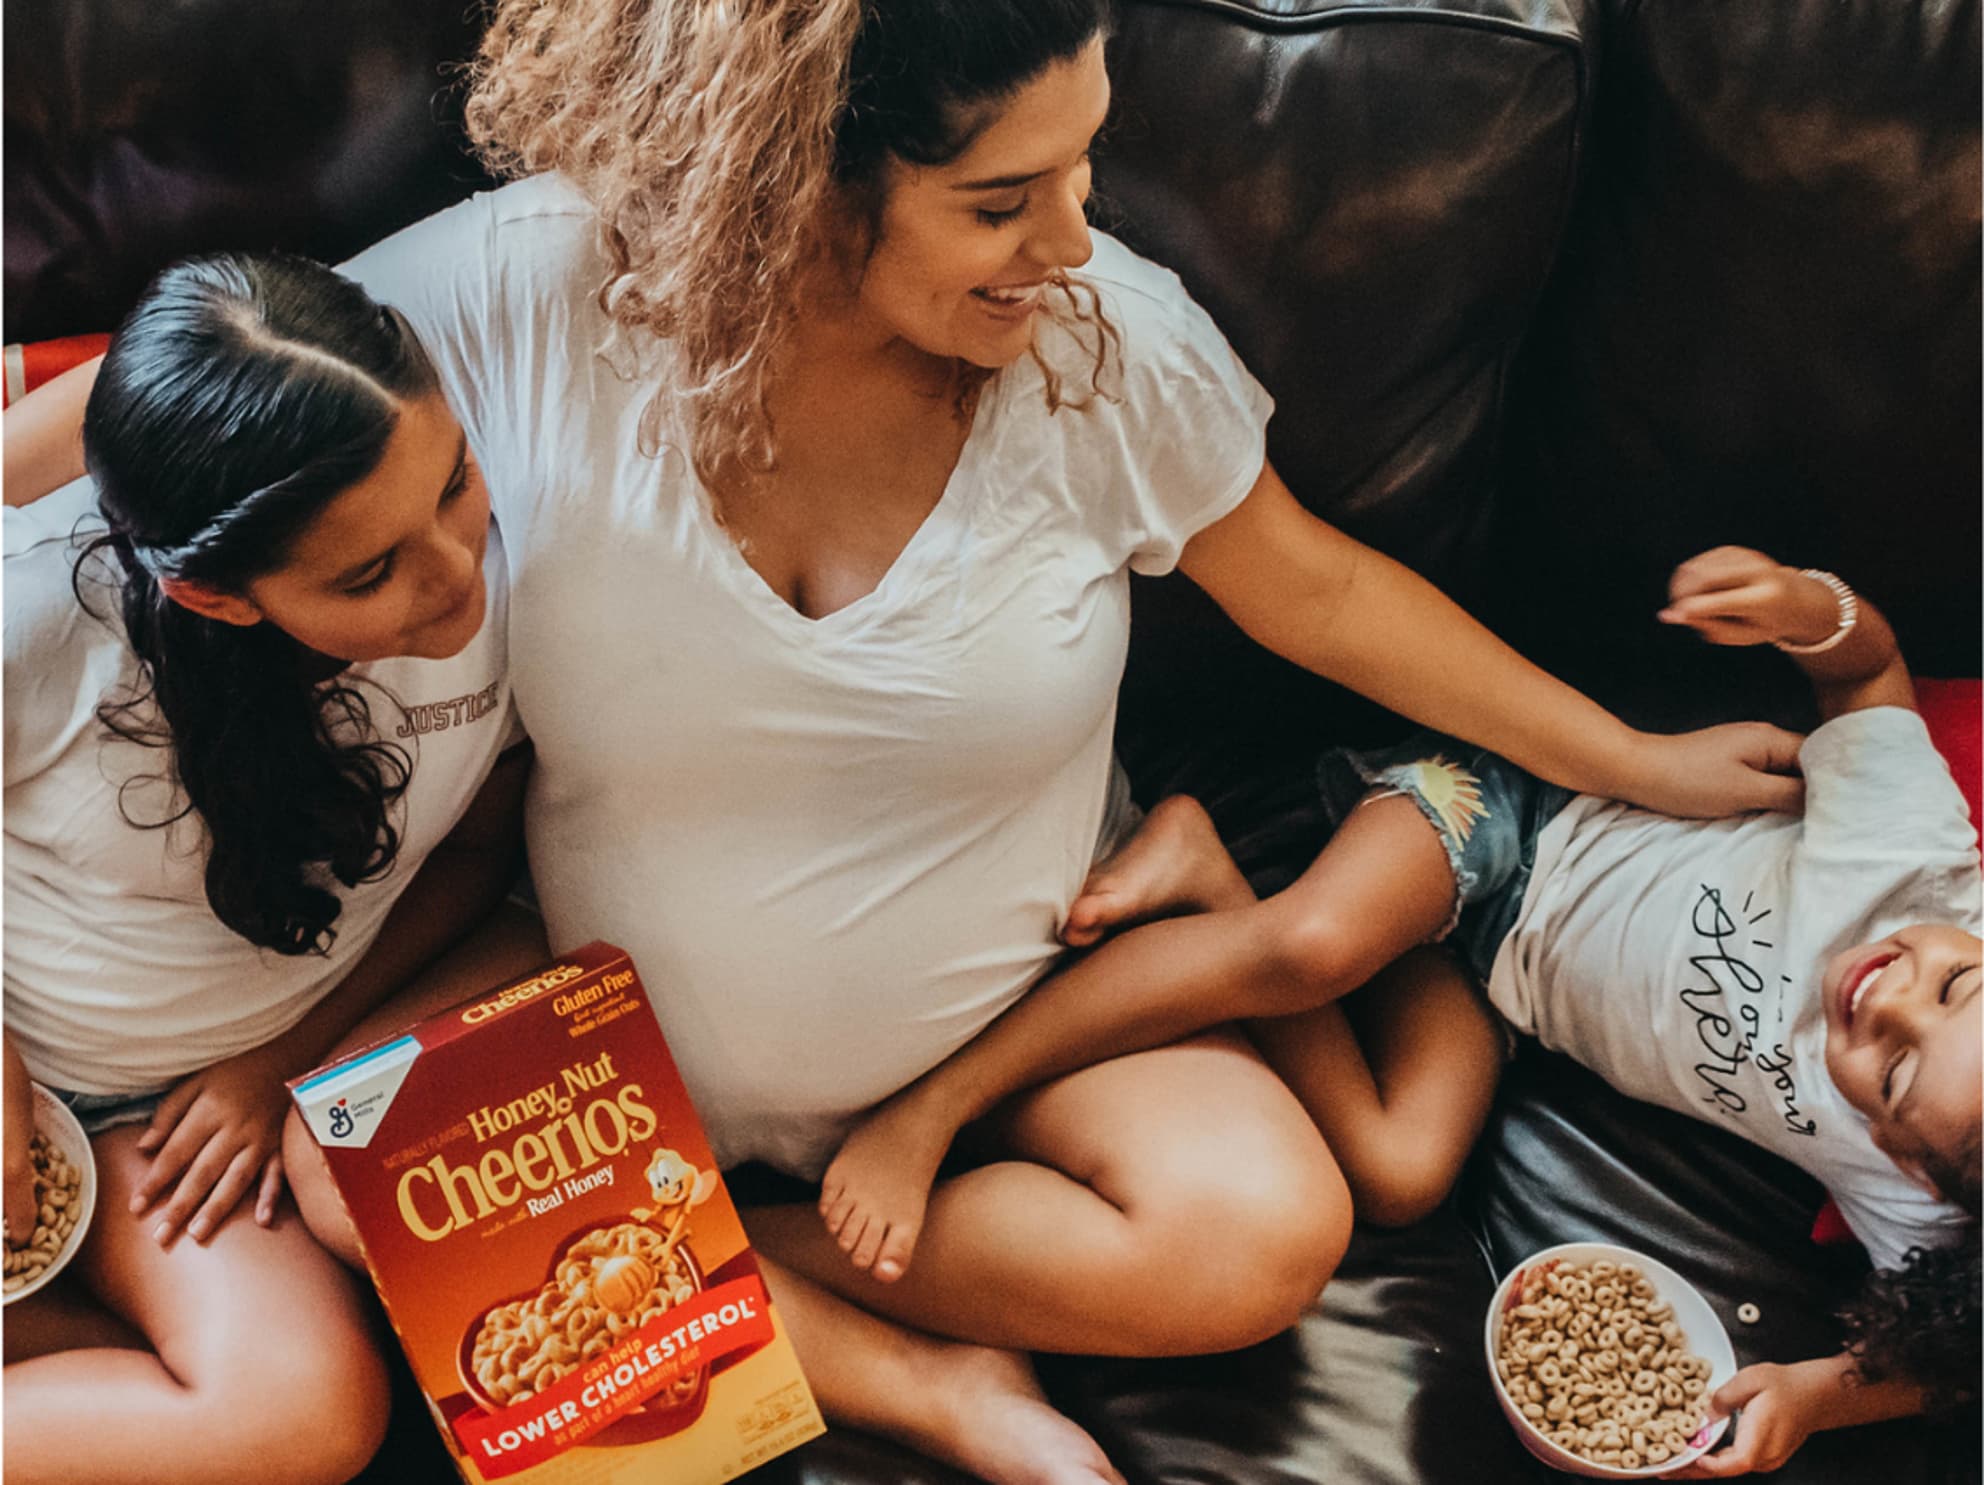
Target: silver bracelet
1849,615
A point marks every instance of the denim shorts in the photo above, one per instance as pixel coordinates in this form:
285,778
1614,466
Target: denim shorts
1487,812
97,1112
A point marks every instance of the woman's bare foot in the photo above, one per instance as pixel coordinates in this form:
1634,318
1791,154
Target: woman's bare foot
1001,1427
873,1195
1174,863
974,1407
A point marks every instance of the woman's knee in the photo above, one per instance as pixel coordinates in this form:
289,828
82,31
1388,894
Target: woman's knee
311,1412
1245,1253
302,1403
1290,1225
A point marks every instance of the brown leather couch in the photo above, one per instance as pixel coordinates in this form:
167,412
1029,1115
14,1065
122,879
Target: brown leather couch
1551,294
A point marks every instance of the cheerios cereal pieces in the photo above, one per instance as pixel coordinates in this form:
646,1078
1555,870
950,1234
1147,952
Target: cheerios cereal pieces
1594,1361
59,1187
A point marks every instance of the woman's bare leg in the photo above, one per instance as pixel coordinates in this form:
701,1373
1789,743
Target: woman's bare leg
507,945
1172,1202
64,1316
974,1407
1398,1077
261,1366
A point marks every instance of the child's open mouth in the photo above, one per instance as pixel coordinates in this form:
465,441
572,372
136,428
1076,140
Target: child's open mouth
1856,981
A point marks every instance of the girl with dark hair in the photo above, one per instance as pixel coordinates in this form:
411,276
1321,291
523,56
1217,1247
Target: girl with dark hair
255,702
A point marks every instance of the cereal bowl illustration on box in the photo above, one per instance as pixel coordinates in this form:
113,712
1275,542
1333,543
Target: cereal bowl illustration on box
608,1282
556,1250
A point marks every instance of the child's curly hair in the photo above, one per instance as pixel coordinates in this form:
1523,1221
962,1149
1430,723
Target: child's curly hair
1922,1321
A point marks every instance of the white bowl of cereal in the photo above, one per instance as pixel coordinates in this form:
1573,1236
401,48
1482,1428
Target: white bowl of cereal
1604,1360
66,1187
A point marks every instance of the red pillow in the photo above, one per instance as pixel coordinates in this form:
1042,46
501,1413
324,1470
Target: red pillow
1954,711
28,366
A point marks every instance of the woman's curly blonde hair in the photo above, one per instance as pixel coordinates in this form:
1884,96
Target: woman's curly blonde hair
716,137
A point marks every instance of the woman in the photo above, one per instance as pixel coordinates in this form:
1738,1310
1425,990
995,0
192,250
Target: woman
824,436
231,830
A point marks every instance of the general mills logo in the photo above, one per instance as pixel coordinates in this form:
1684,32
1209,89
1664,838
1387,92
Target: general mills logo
341,1121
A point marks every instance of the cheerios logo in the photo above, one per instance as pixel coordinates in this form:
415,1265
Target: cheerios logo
515,995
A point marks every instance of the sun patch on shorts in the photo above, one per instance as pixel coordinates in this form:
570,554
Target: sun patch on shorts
1453,793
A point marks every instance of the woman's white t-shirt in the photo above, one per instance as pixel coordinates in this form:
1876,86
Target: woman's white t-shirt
838,847
118,977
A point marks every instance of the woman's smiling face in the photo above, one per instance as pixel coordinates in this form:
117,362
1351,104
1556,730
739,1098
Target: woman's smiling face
963,251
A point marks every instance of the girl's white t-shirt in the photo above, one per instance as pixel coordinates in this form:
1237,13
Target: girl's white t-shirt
838,847
118,978
1682,959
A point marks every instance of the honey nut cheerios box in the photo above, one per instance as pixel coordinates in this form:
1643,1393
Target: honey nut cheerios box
543,1218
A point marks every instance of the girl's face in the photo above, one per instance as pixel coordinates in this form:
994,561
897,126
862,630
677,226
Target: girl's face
1903,1038
393,565
964,250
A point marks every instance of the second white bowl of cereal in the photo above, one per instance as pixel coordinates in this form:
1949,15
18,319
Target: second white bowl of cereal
1604,1360
65,1188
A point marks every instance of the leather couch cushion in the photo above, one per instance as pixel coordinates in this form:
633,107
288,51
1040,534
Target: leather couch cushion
1369,199
136,133
1765,331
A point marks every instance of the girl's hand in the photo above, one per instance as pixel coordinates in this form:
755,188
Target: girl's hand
1733,769
17,1170
22,1207
216,1135
1734,596
1782,1407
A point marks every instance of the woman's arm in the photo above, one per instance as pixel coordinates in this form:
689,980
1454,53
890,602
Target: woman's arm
218,1133
1332,604
43,436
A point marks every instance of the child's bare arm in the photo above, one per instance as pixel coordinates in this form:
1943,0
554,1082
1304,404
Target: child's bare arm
18,1174
217,1135
1785,1405
44,435
1734,596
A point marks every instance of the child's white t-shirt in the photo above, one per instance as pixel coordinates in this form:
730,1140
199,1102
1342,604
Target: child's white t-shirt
835,847
1682,959
118,978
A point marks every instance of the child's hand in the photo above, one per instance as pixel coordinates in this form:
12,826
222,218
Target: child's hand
1734,596
17,1169
1782,1407
217,1134
22,1201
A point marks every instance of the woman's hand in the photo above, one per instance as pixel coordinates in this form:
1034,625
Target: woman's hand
1735,596
1315,596
1782,1407
216,1135
1733,769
